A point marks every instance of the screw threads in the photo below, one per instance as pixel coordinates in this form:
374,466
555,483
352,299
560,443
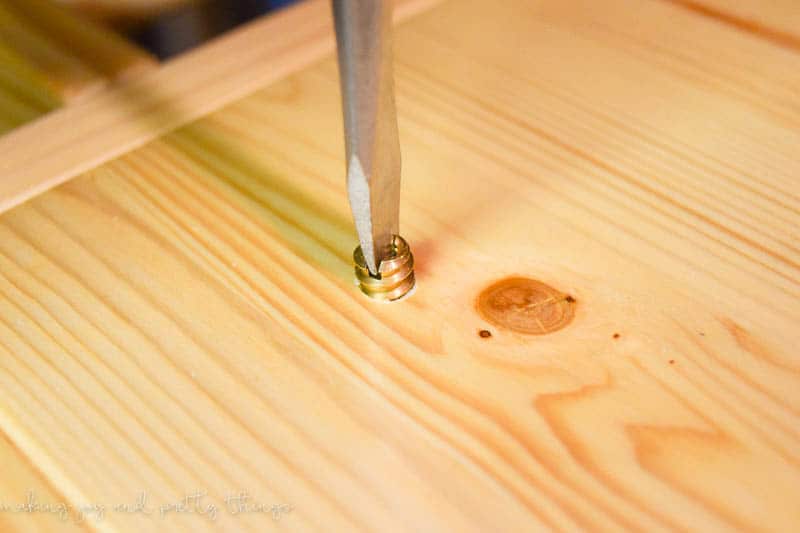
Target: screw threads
395,273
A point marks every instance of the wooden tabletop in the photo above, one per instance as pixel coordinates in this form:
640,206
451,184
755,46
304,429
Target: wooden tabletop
602,199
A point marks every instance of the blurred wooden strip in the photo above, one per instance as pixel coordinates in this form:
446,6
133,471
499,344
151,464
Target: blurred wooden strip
49,57
73,55
775,20
117,10
79,137
25,92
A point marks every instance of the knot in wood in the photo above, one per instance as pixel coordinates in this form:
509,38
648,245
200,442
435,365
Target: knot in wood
526,306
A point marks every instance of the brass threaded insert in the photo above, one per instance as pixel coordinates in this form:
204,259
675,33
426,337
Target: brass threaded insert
395,273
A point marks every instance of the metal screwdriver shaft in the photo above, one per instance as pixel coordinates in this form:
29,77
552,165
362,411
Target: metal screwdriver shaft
384,265
363,36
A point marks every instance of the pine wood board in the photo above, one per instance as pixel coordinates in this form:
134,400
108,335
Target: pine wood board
47,58
183,317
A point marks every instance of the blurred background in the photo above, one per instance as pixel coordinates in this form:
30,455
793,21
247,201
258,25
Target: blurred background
169,27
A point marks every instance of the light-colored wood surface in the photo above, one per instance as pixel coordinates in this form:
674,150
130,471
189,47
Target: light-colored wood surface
183,318
39,71
80,137
23,486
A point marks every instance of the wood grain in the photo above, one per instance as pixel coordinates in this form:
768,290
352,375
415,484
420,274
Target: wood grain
24,489
46,58
777,21
183,317
80,137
